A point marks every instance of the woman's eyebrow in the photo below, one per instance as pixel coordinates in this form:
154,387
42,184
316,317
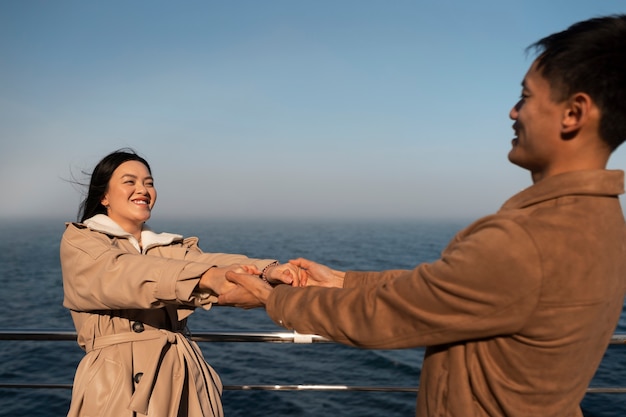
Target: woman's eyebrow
149,177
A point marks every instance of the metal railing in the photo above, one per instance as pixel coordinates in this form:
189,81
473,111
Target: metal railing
249,337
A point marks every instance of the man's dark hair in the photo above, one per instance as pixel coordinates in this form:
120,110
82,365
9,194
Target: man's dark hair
590,57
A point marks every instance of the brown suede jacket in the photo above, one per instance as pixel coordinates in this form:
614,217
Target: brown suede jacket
516,315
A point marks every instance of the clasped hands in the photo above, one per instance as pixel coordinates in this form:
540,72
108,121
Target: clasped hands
249,291
215,282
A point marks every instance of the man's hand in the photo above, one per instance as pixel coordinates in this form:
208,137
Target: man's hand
316,274
249,291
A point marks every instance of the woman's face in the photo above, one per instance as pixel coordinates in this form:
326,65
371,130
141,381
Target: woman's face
130,195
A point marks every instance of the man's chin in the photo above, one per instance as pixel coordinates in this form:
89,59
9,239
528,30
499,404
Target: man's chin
514,159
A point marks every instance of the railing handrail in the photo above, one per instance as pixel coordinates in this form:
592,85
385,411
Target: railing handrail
242,336
300,387
201,336
207,336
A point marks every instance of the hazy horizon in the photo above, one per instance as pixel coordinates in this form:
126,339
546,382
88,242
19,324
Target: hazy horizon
272,110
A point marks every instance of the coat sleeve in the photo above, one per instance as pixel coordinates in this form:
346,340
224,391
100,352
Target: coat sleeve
485,284
195,254
98,274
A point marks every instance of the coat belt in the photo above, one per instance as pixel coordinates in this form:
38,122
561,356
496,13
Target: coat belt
206,380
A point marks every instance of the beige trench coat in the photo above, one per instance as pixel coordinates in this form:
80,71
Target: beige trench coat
130,307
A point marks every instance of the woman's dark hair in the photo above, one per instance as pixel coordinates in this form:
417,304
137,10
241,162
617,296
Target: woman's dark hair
99,181
590,57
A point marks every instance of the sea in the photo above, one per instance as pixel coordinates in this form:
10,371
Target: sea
31,297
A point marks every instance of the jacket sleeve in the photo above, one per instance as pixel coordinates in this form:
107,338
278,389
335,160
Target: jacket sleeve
359,279
98,274
485,284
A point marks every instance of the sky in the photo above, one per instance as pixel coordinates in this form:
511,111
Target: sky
342,109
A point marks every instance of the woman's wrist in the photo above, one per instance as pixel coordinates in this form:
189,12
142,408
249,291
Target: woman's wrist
207,280
265,272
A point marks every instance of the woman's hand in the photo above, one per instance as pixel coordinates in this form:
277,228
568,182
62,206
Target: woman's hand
283,274
214,280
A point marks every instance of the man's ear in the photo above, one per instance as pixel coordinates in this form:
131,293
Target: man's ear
577,113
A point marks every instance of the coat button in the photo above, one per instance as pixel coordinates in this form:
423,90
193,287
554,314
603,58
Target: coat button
138,327
137,377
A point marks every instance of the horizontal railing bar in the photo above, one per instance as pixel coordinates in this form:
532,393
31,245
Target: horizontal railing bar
271,337
208,336
300,387
237,336
204,336
606,390
34,386
305,387
47,335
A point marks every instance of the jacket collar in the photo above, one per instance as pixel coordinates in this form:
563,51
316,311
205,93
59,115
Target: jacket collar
593,182
104,224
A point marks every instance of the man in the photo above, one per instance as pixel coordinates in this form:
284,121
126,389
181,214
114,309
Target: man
517,313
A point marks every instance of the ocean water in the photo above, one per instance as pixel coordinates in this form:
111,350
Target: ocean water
31,296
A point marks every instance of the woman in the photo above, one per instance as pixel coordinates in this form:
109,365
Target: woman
130,291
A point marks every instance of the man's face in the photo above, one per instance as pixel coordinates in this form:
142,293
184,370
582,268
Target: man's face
537,126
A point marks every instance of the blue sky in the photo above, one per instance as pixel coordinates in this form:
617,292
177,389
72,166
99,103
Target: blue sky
272,109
